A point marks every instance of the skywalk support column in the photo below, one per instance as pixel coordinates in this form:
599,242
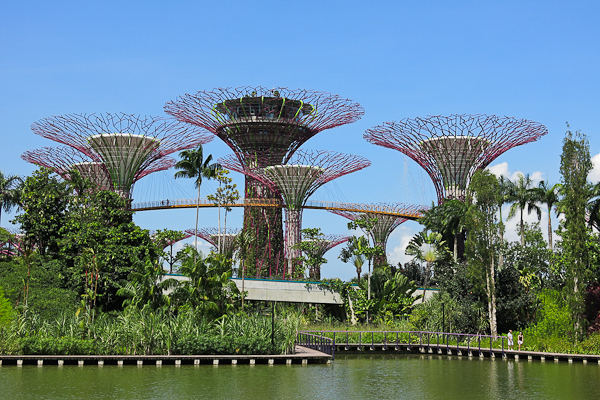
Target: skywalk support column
296,182
264,127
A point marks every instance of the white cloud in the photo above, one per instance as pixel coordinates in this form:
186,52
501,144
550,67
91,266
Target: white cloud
502,169
401,237
499,169
594,175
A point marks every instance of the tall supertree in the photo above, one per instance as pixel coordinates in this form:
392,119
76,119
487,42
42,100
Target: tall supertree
452,148
384,226
295,182
212,236
127,145
269,125
64,159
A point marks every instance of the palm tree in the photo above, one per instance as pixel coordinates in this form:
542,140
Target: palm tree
593,206
502,197
428,247
548,195
193,165
9,192
358,261
522,195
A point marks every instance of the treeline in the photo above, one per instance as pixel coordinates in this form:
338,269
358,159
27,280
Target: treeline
488,284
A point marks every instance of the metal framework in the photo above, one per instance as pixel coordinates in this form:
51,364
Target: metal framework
296,182
324,244
168,243
384,226
212,236
12,246
452,148
272,123
267,125
126,144
412,212
64,159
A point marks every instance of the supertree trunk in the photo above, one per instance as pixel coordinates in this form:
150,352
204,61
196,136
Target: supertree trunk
293,225
381,260
265,256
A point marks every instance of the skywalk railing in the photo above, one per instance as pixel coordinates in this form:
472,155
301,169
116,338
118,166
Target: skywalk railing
400,210
420,339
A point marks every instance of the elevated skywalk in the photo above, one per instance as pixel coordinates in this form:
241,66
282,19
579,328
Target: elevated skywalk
408,211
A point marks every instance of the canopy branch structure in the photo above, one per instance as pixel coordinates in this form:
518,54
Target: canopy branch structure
126,144
267,125
64,159
212,236
295,182
323,245
384,226
452,148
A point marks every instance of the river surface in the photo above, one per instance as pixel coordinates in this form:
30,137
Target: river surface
349,377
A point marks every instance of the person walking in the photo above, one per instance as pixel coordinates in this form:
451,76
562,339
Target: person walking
520,340
510,340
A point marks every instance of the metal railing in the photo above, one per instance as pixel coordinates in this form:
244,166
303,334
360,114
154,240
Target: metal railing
316,342
408,211
422,339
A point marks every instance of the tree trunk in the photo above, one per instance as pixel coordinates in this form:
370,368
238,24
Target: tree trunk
353,317
196,231
549,230
522,230
243,283
456,248
501,256
219,236
426,281
490,286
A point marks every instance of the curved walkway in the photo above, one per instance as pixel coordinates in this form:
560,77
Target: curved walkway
408,211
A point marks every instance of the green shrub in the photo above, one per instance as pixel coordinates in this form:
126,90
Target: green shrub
207,344
56,346
5,310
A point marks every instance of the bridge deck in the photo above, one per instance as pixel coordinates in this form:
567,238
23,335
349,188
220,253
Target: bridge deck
407,211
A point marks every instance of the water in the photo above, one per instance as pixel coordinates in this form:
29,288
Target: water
350,377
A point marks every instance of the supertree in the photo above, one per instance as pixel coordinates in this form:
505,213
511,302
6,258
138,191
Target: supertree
321,246
268,125
452,148
64,159
212,236
383,227
295,182
126,144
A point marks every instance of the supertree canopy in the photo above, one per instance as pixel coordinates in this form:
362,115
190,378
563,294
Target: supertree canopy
212,235
268,125
126,144
452,148
382,229
272,123
296,182
63,159
322,245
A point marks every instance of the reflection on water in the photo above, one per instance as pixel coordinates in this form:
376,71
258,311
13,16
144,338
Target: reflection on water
349,377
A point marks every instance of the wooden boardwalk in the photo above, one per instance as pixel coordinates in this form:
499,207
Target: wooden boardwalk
302,356
468,351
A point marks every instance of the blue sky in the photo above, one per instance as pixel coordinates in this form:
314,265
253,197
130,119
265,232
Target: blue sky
536,60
